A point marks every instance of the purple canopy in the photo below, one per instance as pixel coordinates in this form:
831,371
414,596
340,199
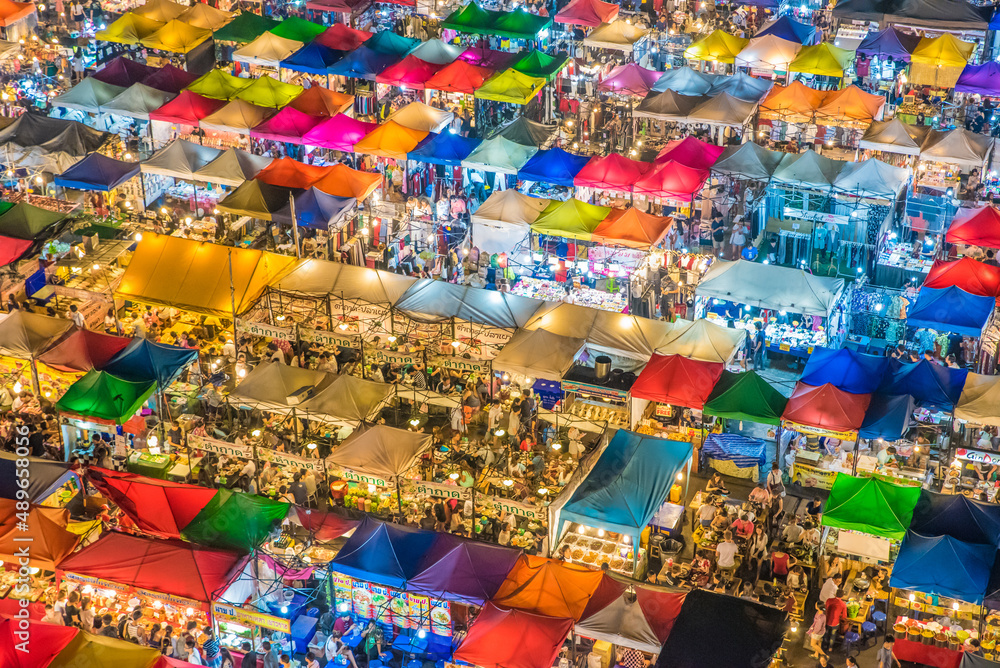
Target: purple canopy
494,60
630,79
170,79
980,79
889,42
124,72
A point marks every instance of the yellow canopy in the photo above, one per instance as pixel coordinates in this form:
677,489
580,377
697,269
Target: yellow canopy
176,37
202,15
510,86
821,59
160,10
719,47
390,140
269,92
194,275
129,29
944,51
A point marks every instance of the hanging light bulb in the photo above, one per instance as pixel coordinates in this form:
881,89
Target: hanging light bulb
508,482
255,433
543,491
680,476
138,236
499,432
17,386
415,421
311,446
453,475
342,326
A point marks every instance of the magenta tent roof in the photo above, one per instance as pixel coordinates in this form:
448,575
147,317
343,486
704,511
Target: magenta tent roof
288,125
410,72
590,13
612,172
186,109
630,79
690,152
339,133
483,57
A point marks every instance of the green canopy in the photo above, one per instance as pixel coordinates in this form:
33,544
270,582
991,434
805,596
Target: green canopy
100,395
870,505
219,85
745,396
571,219
539,64
269,92
235,520
298,29
521,25
245,28
24,221
472,19
510,86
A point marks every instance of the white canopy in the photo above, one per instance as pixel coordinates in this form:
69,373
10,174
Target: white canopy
538,354
769,286
872,178
616,332
319,278
233,167
619,35
703,341
267,50
504,220
436,301
423,117
437,52
769,53
957,147
380,451
980,400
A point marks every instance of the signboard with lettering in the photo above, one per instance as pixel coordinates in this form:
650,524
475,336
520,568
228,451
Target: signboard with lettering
482,334
285,460
515,508
978,456
437,489
170,599
244,617
360,477
460,364
594,390
358,309
96,582
264,329
219,447
329,338
382,355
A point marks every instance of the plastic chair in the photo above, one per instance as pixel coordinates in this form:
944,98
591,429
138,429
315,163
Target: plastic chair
375,663
851,638
879,618
868,634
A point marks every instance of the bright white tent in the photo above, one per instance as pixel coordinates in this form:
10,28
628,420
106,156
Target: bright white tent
769,286
538,354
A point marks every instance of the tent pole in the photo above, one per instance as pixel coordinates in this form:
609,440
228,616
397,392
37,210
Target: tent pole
295,427
232,305
295,226
399,499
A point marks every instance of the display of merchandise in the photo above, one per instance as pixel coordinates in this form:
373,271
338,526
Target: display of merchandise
901,255
555,291
596,411
615,549
778,335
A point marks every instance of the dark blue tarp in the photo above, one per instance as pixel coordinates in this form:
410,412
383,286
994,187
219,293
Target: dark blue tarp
931,384
952,310
444,149
313,58
741,450
97,172
389,42
944,566
957,516
846,370
790,29
314,208
889,42
888,417
553,166
46,477
627,485
363,63
144,360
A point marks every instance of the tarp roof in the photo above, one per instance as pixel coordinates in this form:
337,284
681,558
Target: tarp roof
931,384
628,483
381,451
316,209
343,181
686,81
943,566
851,103
972,276
980,79
718,47
894,136
342,37
979,400
611,172
618,35
627,334
164,566
187,109
941,15
347,400
268,386
668,105
676,380
268,50
769,52
467,571
46,477
459,77
143,359
888,417
790,29
554,588
671,179
384,553
520,24
390,140
160,10
93,650
743,86
641,618
158,507
630,79
845,369
257,199
690,152
512,639
822,59
26,335
246,27
526,132
83,350
124,72
794,101
410,72
702,341
89,95
499,154
97,172
203,15
976,227
129,29
195,276
539,65
437,52
176,37
747,161
319,101
631,227
419,116
12,250
723,109
538,354
958,516
959,147
951,310
590,13
486,57
313,58
826,408
288,125
745,396
269,92
510,86
137,101
870,505
808,170
511,207
298,29
389,42
48,640
12,12
945,50
105,397
340,133
237,116
236,521
572,219
44,528
232,167
52,134
756,633
26,221
554,166
219,85
890,41
435,301
471,18
444,149
318,278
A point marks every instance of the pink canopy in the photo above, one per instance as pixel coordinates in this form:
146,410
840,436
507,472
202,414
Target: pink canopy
690,152
288,125
340,133
672,179
591,13
612,172
630,79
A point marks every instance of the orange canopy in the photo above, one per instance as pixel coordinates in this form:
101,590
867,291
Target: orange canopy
291,173
319,101
390,140
12,12
851,103
50,541
342,181
554,588
631,227
796,99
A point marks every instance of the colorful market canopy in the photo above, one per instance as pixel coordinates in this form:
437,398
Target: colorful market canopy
437,52
180,159
554,588
588,13
144,360
745,396
444,149
980,79
219,85
472,19
510,86
410,72
124,72
538,354
319,101
742,86
129,29
943,566
976,227
641,618
12,250
89,95
540,65
620,333
690,152
945,50
43,527
790,29
572,219
47,476
796,100
630,79
768,52
845,369
383,553
958,516
103,396
381,451
632,228
808,170
97,172
554,166
703,341
672,180
342,37
288,125
47,641
931,384
627,485
203,15
972,276
269,92
137,101
958,147
521,24
340,133
195,276
235,521
316,209
237,116
26,221
420,116
186,109
319,278
825,409
176,37
678,381
84,350
889,42
512,638
232,167
619,35
526,132
297,29
747,161
718,47
245,28
822,59
164,566
459,77
499,154
161,10
86,649
268,386
668,105
312,58
268,50
894,136
347,400
870,505
437,301
951,310
611,172
852,104
390,140
686,81
26,335
391,43
257,199
888,417
510,207
872,178
343,181
723,109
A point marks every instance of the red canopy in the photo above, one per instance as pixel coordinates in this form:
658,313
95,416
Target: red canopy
12,249
671,179
590,13
459,77
165,566
690,152
45,642
84,350
613,172
826,408
342,37
292,173
170,662
410,72
676,380
186,109
974,277
979,227
324,526
513,639
157,507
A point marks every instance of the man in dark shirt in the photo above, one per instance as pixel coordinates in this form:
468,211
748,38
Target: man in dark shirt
108,629
249,656
427,521
299,490
36,441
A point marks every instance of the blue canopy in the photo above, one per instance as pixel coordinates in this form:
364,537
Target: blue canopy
888,417
554,166
383,553
362,63
931,384
143,360
944,566
951,309
958,516
389,42
97,172
848,371
790,29
313,58
444,149
628,484
314,208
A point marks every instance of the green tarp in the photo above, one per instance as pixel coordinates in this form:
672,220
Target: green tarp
539,64
235,520
219,85
245,28
571,219
870,505
24,221
745,396
100,395
298,29
521,24
517,24
472,19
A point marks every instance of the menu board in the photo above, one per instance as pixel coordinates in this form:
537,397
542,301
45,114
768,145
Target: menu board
406,611
381,601
441,618
420,611
342,586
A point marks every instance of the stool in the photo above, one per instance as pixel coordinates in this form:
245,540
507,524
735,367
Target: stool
869,639
851,638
